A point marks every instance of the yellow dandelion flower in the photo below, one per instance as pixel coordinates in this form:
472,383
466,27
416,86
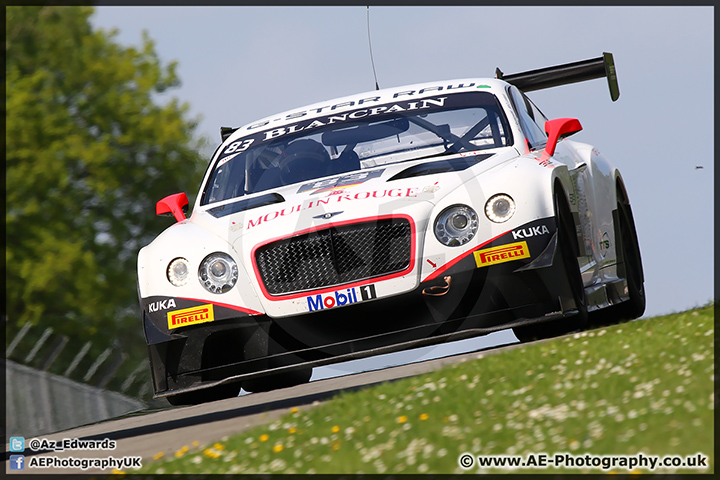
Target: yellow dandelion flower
278,448
424,416
292,430
264,437
158,455
179,453
402,419
335,429
219,446
294,410
195,443
184,448
336,446
635,472
211,453
117,472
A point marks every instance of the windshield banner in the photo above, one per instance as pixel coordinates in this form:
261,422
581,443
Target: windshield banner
362,115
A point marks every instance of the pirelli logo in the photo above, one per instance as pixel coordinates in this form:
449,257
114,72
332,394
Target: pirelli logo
190,316
501,254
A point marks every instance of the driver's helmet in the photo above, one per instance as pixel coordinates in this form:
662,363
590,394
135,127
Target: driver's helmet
302,160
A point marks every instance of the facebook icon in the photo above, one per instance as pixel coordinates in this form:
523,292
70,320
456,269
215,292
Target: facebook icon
17,462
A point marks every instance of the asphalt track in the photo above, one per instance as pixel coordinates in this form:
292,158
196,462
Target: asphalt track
170,429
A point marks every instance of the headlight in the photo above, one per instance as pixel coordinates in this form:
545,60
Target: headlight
500,208
178,272
456,225
218,273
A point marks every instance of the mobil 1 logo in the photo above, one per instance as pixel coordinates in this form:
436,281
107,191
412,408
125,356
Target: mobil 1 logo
340,298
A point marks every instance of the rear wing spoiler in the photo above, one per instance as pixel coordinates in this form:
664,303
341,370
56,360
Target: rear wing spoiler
565,74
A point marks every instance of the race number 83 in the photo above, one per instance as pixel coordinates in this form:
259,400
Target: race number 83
239,146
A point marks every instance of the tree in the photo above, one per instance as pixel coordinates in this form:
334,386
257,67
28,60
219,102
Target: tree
89,150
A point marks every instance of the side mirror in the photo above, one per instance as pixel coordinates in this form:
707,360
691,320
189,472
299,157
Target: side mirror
176,204
560,128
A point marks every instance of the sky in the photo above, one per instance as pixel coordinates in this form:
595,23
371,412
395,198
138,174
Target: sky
239,64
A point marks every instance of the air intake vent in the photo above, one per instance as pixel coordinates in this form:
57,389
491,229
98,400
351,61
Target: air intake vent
335,256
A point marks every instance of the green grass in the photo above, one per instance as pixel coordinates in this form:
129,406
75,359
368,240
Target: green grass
640,387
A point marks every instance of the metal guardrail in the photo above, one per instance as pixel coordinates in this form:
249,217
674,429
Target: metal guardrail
46,350
39,401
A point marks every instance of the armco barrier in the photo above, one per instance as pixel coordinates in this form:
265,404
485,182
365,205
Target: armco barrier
40,402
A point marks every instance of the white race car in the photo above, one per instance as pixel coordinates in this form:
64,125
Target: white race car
384,221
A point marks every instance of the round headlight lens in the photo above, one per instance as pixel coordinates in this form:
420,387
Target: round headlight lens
500,208
456,225
218,269
178,272
218,273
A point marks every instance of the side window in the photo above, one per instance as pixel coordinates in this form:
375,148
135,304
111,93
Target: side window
529,116
536,114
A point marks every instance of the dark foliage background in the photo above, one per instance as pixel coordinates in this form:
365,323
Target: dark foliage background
93,141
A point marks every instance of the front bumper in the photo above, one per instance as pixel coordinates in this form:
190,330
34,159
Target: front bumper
489,291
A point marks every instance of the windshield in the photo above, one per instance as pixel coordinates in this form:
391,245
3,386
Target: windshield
356,140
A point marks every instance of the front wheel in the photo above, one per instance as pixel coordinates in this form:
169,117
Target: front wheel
567,251
282,380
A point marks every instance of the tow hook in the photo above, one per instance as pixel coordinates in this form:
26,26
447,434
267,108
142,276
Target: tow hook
438,290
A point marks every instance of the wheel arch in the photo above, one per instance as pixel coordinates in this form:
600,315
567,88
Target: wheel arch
621,195
623,201
630,269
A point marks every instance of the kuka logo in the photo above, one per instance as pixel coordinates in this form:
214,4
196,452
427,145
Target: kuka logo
339,298
530,232
190,316
161,305
501,254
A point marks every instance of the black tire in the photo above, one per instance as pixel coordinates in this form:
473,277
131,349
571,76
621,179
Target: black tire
629,267
567,248
273,382
228,390
634,307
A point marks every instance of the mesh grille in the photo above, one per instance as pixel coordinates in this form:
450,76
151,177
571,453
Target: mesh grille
335,256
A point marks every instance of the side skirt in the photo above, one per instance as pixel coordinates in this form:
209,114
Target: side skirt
605,295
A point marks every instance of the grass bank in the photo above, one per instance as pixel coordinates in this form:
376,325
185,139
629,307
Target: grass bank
641,387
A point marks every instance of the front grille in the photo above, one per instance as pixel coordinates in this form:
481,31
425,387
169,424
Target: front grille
335,256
